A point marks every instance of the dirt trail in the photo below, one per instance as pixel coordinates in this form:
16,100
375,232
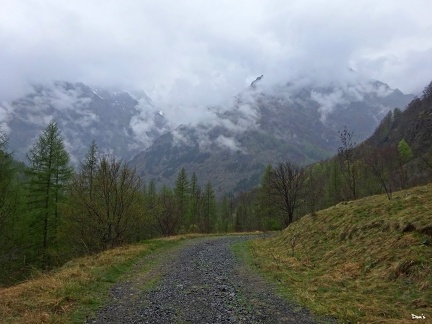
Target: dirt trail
201,282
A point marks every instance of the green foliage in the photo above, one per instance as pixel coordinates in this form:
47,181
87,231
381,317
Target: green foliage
405,151
267,212
194,204
182,194
208,209
104,206
48,173
12,249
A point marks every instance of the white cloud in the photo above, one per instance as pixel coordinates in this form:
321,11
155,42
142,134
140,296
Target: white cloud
228,142
6,113
197,52
328,102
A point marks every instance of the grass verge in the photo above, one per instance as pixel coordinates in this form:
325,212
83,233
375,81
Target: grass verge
78,288
367,261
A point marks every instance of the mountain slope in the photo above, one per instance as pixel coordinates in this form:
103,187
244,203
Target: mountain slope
118,122
414,125
265,125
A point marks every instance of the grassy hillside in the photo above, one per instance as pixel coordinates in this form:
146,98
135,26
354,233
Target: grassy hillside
366,261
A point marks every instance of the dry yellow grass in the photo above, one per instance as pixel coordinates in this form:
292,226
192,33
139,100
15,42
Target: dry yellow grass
52,297
365,261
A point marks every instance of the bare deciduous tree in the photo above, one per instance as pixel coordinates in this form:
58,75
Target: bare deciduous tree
348,163
285,188
168,215
104,212
382,164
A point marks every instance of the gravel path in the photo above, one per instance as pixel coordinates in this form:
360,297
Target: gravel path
201,282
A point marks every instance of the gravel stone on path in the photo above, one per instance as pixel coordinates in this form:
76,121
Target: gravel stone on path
201,283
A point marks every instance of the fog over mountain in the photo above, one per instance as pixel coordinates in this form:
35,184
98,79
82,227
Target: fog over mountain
125,123
295,121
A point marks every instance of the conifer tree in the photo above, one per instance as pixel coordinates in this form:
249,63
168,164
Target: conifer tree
194,204
88,168
6,178
12,232
182,194
49,171
209,208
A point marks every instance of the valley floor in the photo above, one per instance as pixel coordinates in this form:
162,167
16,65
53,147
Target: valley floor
200,282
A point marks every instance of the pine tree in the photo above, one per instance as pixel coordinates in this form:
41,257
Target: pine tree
88,167
49,172
225,218
182,194
209,209
194,204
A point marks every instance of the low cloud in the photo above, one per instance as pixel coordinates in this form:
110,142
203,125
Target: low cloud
197,53
328,102
6,113
228,142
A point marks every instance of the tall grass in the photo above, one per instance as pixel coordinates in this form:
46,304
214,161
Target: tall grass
366,261
76,289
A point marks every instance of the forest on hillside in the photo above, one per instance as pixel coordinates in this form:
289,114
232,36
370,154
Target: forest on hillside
51,212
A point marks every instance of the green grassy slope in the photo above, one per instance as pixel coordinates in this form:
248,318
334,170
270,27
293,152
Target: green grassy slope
366,261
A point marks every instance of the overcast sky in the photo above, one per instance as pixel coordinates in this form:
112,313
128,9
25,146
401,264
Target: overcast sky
197,51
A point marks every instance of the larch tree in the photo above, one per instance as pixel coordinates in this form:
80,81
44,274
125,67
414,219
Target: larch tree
405,155
182,195
209,208
194,204
49,172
